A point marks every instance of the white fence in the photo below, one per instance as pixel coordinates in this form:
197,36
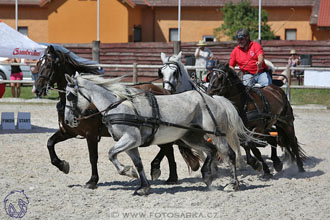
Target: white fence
135,68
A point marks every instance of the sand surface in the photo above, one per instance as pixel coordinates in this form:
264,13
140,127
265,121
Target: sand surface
25,165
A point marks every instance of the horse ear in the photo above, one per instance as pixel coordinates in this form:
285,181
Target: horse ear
163,57
51,49
178,57
68,78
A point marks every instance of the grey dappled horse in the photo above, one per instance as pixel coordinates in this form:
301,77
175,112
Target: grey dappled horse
176,79
129,117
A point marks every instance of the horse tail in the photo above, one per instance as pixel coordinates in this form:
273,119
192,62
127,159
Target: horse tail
294,149
191,157
236,130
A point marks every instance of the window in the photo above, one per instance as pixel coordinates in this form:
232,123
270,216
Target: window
290,34
209,38
137,34
174,34
23,30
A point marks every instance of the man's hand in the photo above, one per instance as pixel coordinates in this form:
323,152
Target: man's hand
259,64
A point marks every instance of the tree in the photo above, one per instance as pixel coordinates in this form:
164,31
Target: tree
240,16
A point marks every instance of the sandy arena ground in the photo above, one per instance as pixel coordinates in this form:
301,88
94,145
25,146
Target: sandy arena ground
25,165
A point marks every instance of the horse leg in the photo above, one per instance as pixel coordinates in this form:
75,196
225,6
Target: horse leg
155,163
92,142
291,144
126,142
57,137
196,141
169,153
144,188
277,163
265,167
229,155
165,150
252,161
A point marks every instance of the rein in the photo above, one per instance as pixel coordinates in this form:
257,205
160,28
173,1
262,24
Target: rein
111,106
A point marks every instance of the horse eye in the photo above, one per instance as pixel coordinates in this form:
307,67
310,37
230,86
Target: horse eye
70,97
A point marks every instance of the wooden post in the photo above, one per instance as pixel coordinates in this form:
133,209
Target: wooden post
96,51
176,47
135,73
288,74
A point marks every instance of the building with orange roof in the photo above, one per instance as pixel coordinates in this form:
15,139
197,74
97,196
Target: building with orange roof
121,21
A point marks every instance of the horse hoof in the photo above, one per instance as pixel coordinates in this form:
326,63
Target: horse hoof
301,169
172,181
208,180
233,187
155,174
267,176
130,171
90,186
278,167
143,191
65,167
259,166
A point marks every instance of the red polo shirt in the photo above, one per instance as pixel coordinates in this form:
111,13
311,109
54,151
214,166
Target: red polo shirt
246,60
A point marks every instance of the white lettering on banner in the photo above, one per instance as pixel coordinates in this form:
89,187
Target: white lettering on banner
8,120
24,120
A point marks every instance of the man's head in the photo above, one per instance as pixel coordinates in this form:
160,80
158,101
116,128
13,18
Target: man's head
243,37
201,44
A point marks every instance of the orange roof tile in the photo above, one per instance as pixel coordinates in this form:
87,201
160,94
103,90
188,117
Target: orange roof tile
324,15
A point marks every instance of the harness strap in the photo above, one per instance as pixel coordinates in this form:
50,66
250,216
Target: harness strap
138,121
155,114
211,114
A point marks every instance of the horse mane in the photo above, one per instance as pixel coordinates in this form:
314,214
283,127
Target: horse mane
78,66
112,84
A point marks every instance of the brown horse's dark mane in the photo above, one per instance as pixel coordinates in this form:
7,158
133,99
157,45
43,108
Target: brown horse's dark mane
66,59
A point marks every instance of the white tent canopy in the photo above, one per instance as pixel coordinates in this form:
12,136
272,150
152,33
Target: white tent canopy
14,44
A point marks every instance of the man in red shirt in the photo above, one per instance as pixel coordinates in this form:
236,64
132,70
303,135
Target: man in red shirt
249,56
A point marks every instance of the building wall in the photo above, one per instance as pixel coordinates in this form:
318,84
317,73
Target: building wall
75,21
280,19
194,23
32,17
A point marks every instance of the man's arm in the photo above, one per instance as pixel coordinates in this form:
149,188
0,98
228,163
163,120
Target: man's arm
260,60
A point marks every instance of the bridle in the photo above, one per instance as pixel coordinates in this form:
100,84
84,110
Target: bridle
217,73
73,98
45,64
176,74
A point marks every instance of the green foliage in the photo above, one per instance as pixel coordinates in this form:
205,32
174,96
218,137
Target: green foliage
240,16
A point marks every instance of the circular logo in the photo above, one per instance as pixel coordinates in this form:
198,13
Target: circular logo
16,203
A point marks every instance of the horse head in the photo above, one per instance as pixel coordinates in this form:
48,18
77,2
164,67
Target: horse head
76,101
174,74
223,80
46,67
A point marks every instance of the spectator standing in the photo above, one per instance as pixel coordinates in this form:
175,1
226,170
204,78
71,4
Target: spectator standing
293,61
16,74
34,68
202,54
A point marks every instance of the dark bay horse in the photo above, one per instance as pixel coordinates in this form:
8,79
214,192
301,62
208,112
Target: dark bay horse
52,66
262,110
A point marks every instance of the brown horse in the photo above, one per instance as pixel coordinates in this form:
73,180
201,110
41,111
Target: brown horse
52,67
262,110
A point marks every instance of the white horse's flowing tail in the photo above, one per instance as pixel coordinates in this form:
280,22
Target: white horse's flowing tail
236,131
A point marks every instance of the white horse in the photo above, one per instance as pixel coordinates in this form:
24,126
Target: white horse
129,118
